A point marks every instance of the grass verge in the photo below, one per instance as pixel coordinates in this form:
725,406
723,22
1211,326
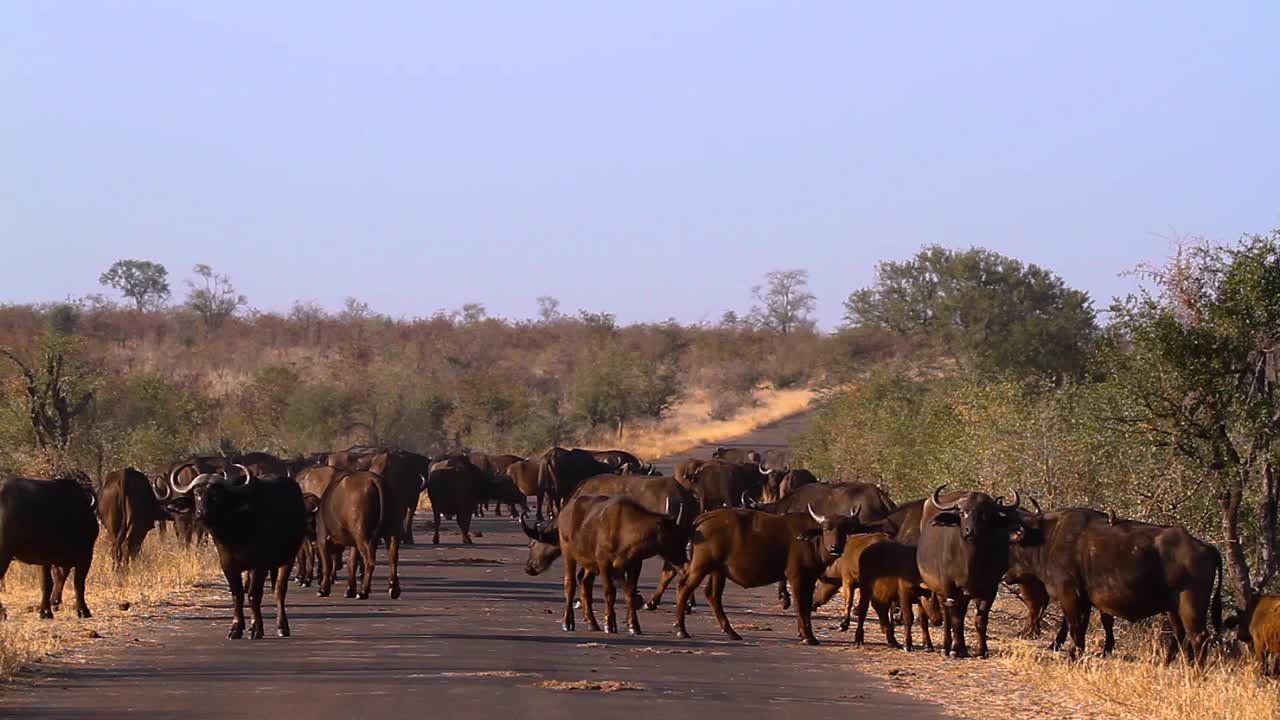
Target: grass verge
689,425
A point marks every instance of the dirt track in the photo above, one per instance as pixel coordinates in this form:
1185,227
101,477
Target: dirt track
470,637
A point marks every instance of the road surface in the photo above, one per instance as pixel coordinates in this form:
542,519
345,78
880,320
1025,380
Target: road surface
471,637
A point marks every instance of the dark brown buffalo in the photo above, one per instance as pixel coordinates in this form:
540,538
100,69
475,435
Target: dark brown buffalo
498,486
185,526
736,455
562,470
352,514
608,536
776,459
257,524
451,486
307,564
962,553
128,510
686,470
780,483
404,475
618,459
49,523
1125,568
902,523
833,499
720,484
754,548
1259,628
842,575
524,473
889,574
262,464
656,494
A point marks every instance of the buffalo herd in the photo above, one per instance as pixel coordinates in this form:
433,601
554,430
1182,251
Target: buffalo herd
742,516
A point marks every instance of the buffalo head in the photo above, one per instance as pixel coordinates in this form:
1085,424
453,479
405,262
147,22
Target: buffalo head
978,515
834,531
544,544
211,496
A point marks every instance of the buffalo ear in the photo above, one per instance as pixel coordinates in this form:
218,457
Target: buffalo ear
945,519
811,533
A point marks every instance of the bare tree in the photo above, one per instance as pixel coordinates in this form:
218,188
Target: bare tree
784,302
213,296
548,309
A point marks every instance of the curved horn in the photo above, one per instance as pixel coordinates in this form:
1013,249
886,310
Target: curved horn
183,490
93,499
934,500
668,510
1111,517
248,476
762,469
423,484
532,532
853,512
815,515
1017,502
155,490
1039,511
679,514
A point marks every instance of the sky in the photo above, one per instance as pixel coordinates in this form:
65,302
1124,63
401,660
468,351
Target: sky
653,159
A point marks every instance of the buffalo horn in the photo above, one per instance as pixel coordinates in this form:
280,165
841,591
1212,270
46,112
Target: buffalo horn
933,500
1017,501
1039,511
248,476
184,489
763,470
815,515
532,532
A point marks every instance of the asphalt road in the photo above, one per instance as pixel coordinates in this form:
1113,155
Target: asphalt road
471,637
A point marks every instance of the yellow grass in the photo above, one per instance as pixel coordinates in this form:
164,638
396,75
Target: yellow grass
162,571
689,425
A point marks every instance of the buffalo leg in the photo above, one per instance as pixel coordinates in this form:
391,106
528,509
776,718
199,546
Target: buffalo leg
585,589
846,588
1108,630
715,591
1075,611
864,600
905,602
689,583
924,625
236,585
1035,597
1061,636
357,563
983,612
46,589
5,559
784,597
884,613
393,560
82,575
632,580
435,519
957,611
368,556
804,609
668,573
570,586
282,589
59,583
329,556
464,524
610,597
257,581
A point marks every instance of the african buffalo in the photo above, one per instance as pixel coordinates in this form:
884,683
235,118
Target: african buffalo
736,455
1259,628
257,525
49,523
609,537
451,485
754,548
888,573
962,553
562,470
128,509
842,575
780,483
524,473
404,474
352,514
720,484
1125,568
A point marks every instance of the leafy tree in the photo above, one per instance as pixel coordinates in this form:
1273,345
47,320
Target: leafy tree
548,309
213,296
617,385
988,312
785,304
144,282
471,313
354,309
1196,354
55,387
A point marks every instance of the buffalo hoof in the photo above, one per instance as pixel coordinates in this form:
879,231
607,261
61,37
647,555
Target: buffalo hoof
362,595
567,627
350,593
46,614
844,627
895,645
786,603
255,632
322,593
809,641
577,604
282,632
395,593
83,612
634,630
651,605
595,627
682,634
236,633
960,654
733,635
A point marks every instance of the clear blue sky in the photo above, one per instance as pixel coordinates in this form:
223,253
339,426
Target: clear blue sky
650,161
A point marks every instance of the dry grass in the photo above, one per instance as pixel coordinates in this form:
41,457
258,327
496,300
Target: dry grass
1025,680
688,425
593,685
118,600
